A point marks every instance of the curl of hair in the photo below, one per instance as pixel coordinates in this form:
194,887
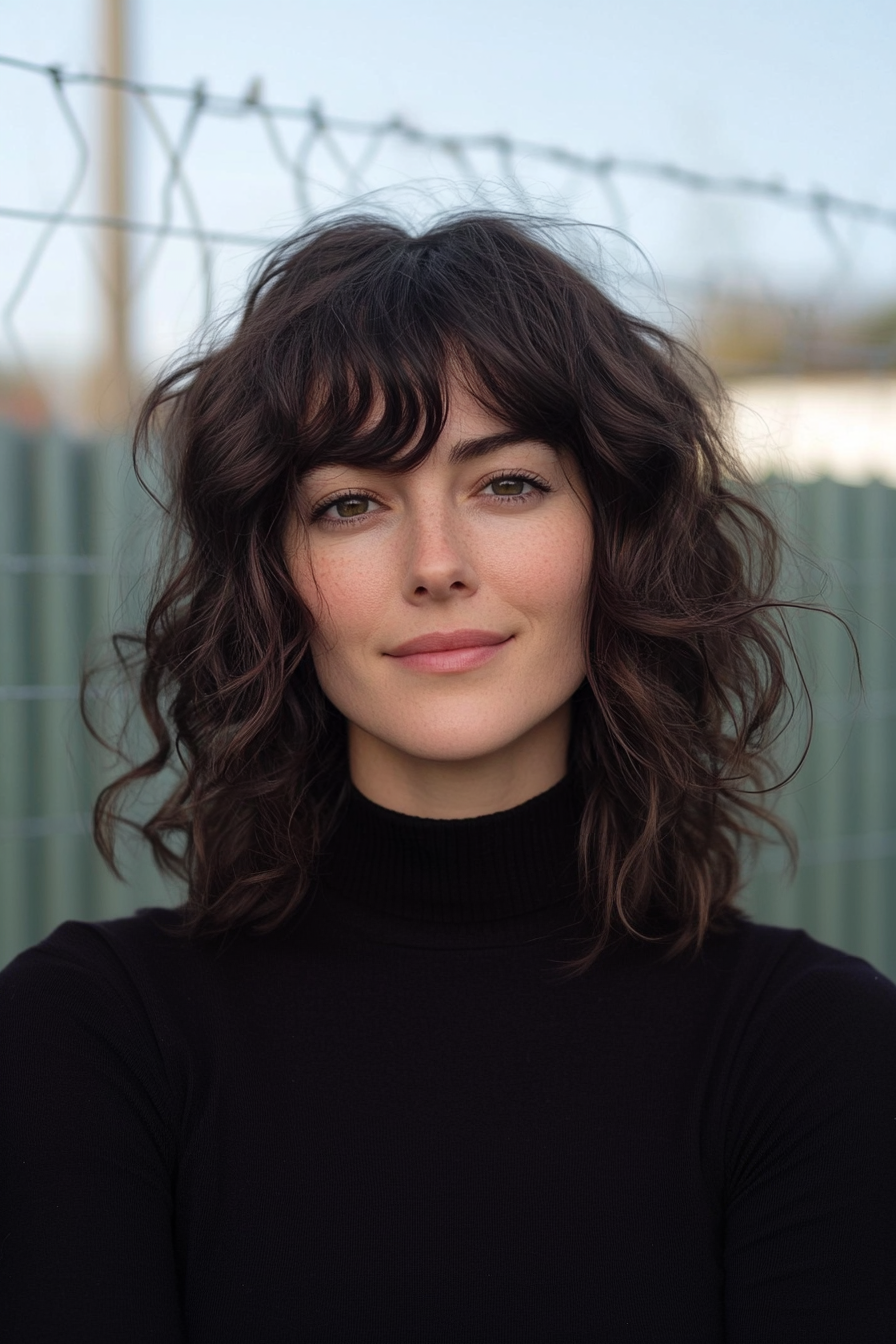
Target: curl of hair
342,353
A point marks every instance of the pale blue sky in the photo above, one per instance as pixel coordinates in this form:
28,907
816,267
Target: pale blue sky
798,88
802,90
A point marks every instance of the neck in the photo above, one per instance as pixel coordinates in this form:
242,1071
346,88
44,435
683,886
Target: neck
463,871
454,789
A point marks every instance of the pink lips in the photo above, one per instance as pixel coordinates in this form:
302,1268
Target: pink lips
447,639
450,650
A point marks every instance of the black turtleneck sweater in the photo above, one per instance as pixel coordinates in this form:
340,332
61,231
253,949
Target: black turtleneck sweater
397,1120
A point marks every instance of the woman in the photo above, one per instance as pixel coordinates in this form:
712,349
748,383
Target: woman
466,653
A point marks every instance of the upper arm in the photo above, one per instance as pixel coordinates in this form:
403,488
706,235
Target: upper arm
86,1159
810,1239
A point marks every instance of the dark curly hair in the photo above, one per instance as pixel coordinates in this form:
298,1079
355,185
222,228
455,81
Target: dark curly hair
342,355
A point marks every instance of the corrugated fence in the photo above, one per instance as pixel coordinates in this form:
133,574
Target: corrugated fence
73,542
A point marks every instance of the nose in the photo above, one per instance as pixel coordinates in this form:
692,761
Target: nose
439,563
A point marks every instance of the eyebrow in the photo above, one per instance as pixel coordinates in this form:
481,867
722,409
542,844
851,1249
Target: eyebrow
466,450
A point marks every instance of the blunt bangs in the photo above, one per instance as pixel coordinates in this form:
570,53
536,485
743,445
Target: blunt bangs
366,368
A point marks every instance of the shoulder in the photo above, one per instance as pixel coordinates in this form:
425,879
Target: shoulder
96,1078
103,952
751,980
812,1041
794,982
88,983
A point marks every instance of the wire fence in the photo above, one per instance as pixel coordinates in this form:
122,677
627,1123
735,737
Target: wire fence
220,177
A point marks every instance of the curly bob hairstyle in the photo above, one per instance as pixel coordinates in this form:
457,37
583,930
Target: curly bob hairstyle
343,354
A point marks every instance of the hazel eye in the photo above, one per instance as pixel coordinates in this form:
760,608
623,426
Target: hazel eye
515,484
351,506
348,508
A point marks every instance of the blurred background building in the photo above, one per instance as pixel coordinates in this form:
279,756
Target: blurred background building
135,196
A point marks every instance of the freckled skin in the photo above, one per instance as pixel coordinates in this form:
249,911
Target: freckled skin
439,549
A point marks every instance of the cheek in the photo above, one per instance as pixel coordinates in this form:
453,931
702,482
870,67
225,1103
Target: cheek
345,604
550,577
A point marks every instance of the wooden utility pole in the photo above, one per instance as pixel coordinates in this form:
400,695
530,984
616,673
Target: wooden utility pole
115,381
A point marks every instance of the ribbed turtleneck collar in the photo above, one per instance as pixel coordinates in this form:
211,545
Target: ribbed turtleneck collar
473,870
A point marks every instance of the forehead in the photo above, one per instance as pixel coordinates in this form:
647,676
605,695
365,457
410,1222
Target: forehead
470,431
473,430
460,425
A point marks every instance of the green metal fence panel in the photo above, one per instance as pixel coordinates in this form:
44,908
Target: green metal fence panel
73,536
70,530
16,877
842,803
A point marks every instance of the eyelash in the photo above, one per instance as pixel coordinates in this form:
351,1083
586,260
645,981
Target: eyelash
541,487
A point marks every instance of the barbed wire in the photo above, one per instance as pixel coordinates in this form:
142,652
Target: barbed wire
817,200
335,155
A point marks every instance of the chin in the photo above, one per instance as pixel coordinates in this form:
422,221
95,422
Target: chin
455,742
454,751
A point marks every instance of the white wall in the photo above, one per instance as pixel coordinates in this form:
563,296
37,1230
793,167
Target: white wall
839,425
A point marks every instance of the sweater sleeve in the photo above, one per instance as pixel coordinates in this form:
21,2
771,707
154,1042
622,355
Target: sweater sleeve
86,1153
810,1240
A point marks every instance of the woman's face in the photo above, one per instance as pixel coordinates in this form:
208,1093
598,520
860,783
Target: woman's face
478,538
